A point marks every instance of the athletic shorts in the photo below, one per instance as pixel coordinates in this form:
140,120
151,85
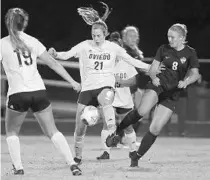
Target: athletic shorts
35,100
90,97
166,98
120,110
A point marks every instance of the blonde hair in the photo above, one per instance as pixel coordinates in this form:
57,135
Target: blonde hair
181,29
91,16
130,28
16,20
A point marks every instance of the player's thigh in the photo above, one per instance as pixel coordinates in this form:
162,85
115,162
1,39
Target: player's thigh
161,116
137,97
106,96
16,110
149,99
80,128
46,121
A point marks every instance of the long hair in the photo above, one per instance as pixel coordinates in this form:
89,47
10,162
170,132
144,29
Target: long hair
16,20
92,17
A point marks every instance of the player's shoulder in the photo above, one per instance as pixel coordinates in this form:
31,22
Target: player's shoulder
165,47
4,39
189,48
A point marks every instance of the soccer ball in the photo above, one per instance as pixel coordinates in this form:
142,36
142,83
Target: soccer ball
90,115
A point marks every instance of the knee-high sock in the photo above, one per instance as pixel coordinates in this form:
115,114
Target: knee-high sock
62,145
131,139
78,145
104,135
131,118
146,143
109,116
14,151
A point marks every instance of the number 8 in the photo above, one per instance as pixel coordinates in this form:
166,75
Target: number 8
174,65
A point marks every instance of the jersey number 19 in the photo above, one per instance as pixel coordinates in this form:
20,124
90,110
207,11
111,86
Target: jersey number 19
27,58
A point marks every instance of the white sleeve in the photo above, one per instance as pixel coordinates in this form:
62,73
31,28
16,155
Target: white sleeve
40,48
73,52
131,71
132,61
1,51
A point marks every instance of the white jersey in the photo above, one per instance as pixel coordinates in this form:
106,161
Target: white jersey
123,97
21,68
97,63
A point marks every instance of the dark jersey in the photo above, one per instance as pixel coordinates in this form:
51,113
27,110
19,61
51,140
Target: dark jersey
177,64
141,78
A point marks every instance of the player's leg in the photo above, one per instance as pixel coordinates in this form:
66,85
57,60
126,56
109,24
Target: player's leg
16,111
161,116
105,99
106,150
43,113
149,99
79,134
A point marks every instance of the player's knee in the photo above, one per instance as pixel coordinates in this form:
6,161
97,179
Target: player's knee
106,97
155,129
129,130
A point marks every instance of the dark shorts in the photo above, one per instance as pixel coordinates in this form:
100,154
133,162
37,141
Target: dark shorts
122,110
34,100
166,98
90,97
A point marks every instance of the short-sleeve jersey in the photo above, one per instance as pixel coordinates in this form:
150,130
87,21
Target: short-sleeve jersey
21,67
123,97
96,64
177,64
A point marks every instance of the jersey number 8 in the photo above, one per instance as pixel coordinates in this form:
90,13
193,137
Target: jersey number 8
28,59
174,65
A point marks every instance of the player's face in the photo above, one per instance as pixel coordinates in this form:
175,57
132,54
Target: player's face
175,39
131,38
98,36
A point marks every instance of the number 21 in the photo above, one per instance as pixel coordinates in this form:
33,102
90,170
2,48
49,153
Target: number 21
98,65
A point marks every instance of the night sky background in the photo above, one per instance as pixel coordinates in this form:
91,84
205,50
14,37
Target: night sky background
57,23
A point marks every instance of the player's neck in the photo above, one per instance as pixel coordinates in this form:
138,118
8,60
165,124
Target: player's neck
180,47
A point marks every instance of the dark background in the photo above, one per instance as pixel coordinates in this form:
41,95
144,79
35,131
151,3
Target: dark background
57,23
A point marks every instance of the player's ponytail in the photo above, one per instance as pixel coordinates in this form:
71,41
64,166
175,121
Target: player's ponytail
16,20
91,16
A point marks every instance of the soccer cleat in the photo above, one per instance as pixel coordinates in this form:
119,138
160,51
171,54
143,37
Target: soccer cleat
105,155
17,172
112,140
76,171
78,161
134,159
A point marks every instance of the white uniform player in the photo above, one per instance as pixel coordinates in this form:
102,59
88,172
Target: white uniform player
19,53
97,60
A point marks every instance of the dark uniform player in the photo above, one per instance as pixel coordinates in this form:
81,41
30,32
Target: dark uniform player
130,36
164,88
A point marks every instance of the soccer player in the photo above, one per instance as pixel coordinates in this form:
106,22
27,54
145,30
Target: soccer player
182,69
97,61
19,53
123,102
131,38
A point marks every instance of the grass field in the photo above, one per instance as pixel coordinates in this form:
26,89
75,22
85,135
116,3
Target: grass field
169,159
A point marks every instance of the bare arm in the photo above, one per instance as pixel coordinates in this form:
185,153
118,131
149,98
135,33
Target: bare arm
190,78
59,69
61,55
134,62
154,69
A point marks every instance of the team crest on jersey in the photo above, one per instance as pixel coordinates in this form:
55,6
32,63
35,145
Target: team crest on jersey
183,60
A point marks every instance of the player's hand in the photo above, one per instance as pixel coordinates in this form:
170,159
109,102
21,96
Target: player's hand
156,81
76,86
182,84
52,52
161,68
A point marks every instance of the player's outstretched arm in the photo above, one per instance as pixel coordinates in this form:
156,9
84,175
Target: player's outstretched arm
59,69
60,55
